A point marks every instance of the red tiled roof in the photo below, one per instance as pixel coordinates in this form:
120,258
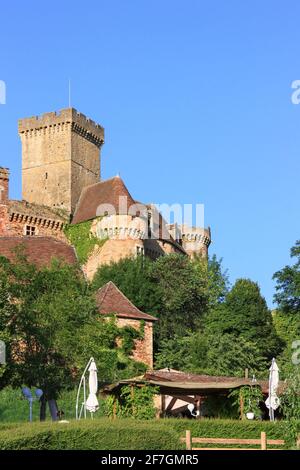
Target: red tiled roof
103,194
110,300
39,250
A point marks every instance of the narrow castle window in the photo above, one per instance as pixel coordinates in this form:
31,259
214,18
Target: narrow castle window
46,176
30,231
149,225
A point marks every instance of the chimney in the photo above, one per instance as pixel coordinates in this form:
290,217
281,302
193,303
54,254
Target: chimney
4,184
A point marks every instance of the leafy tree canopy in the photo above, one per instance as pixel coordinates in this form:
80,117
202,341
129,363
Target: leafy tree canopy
288,284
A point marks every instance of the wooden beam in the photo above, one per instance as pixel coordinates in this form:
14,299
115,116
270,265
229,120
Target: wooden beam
263,439
171,404
163,404
188,439
216,440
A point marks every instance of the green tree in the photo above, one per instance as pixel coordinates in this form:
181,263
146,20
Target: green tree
182,288
52,327
245,314
133,277
290,399
231,355
288,284
177,290
213,355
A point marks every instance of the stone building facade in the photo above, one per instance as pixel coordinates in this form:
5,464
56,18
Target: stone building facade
62,188
111,301
61,185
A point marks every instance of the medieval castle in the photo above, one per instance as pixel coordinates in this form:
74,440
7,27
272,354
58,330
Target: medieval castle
64,200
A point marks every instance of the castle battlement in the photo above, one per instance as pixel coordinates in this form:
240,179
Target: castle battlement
79,122
60,156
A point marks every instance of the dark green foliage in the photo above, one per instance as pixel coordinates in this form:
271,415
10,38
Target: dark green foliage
133,277
218,406
174,353
252,398
182,289
129,335
123,434
287,316
101,434
290,400
245,318
231,355
287,326
135,402
288,284
175,289
235,334
52,327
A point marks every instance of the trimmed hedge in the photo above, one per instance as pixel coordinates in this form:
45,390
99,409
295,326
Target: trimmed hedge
129,434
99,434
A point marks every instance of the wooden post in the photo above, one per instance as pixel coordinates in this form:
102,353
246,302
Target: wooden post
163,405
242,407
132,398
263,440
188,440
115,408
246,373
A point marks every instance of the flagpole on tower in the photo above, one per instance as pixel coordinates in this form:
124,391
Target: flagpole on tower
69,93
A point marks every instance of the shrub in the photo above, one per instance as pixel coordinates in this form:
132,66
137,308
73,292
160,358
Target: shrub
102,434
130,434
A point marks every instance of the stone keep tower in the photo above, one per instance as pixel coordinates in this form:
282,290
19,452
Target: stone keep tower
60,156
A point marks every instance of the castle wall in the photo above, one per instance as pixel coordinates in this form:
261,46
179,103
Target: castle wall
85,166
143,350
111,251
4,183
18,225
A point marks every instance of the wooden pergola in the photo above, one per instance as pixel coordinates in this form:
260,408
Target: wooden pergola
178,389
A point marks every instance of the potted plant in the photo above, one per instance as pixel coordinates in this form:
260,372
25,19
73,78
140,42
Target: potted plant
248,398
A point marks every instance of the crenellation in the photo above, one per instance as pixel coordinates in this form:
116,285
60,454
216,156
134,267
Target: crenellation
64,116
60,156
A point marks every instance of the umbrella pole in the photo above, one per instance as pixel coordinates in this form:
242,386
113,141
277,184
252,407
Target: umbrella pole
84,397
82,381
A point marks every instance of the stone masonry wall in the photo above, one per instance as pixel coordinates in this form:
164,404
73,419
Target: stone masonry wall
111,251
4,182
143,351
60,155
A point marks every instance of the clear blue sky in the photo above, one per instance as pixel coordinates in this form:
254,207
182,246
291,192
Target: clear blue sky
195,98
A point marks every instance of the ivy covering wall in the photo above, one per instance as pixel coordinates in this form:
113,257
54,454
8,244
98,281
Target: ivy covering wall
80,236
136,402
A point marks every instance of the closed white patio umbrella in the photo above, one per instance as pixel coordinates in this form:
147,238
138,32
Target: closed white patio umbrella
273,402
92,403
